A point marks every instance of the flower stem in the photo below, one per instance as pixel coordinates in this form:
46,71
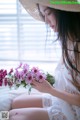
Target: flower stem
29,89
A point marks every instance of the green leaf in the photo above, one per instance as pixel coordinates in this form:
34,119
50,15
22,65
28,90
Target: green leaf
50,79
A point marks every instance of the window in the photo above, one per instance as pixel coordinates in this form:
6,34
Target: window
22,38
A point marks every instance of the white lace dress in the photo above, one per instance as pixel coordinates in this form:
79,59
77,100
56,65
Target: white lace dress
57,108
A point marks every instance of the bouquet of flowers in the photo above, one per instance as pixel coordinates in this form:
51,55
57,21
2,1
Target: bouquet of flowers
24,75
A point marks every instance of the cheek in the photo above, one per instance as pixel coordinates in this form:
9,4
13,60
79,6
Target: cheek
53,19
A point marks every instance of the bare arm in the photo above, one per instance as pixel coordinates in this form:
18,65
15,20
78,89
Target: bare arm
47,88
68,97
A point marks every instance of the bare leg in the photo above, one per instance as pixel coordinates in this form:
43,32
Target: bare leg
27,101
29,114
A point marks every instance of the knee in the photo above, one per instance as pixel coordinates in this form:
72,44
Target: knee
15,103
11,115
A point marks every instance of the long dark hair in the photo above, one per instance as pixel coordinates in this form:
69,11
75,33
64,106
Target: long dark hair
69,33
68,26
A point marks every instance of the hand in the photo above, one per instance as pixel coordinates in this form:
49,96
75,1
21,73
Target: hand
44,86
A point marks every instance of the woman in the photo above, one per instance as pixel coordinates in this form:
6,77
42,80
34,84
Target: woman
61,102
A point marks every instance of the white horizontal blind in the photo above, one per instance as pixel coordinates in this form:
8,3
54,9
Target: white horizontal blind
24,39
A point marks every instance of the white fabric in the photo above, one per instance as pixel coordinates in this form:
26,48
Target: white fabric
7,95
57,108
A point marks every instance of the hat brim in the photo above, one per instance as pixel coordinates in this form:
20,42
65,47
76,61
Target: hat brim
31,7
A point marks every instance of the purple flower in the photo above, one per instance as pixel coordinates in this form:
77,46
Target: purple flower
25,68
19,66
1,76
11,70
19,75
29,77
1,82
3,73
40,77
5,82
35,70
23,75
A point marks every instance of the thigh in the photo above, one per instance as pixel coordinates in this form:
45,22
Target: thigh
29,114
26,101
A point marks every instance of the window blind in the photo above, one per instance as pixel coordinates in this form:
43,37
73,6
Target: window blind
23,39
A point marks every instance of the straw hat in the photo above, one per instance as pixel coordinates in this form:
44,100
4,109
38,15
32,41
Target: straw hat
31,7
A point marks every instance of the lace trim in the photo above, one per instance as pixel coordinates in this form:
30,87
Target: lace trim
46,100
55,113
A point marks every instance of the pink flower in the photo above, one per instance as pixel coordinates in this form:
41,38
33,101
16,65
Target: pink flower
29,77
19,75
19,66
18,81
1,70
25,68
3,73
1,76
5,82
23,76
35,70
40,77
1,82
11,70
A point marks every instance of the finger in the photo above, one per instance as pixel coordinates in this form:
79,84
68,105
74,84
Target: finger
33,86
35,82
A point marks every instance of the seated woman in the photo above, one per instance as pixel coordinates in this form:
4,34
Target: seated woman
61,101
